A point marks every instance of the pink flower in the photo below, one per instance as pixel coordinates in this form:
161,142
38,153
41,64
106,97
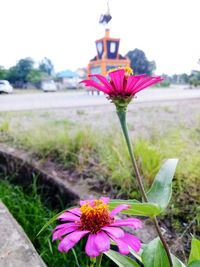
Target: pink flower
97,223
121,84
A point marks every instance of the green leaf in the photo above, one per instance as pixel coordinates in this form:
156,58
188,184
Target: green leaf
154,255
54,218
194,264
177,262
161,189
195,251
137,208
121,260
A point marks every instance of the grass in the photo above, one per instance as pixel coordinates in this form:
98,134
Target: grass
32,214
105,157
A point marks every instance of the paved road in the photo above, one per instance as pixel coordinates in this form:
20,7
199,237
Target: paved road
16,102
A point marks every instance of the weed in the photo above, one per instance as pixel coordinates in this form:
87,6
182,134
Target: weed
4,127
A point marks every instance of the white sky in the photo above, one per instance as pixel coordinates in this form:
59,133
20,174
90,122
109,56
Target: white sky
168,31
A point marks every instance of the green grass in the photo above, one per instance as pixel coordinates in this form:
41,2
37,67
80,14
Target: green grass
30,212
32,215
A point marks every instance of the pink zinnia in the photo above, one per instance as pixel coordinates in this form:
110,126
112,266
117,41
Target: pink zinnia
94,220
121,84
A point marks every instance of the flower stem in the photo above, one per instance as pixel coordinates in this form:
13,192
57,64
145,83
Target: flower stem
122,118
98,260
75,256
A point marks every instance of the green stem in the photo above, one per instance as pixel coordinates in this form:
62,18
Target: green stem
121,112
76,259
98,260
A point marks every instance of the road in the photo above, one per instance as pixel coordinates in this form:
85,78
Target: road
41,100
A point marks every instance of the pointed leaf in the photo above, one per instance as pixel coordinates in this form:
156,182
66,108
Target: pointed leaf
177,262
195,250
154,255
121,260
194,264
137,208
54,218
161,189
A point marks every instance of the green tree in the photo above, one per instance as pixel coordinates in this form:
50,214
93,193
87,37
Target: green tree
19,73
3,73
46,66
139,62
35,76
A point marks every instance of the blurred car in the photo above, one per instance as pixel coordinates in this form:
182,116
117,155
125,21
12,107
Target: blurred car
48,86
5,87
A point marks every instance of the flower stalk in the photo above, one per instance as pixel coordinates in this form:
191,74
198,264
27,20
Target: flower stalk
121,112
98,260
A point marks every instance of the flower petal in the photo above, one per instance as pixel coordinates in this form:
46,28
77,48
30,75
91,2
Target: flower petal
119,209
132,241
96,85
140,82
75,211
66,225
103,80
123,247
114,231
102,241
63,231
91,248
132,81
67,216
147,83
132,222
70,240
117,77
105,199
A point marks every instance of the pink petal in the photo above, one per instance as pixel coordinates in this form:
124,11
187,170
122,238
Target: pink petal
91,248
96,85
119,209
132,81
117,78
102,242
123,247
132,222
114,231
105,199
70,240
66,225
132,241
75,211
59,233
103,80
147,83
85,201
67,216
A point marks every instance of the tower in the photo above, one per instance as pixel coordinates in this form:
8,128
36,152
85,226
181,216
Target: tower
108,56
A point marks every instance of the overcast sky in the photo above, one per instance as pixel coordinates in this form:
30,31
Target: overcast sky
168,31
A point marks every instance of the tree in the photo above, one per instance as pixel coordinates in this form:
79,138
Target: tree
46,66
3,73
139,62
35,76
19,73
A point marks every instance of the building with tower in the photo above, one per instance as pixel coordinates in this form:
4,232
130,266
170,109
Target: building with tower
108,56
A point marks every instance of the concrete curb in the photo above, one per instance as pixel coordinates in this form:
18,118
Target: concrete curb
22,171
16,250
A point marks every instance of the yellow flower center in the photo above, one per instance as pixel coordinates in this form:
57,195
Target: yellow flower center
94,216
128,70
